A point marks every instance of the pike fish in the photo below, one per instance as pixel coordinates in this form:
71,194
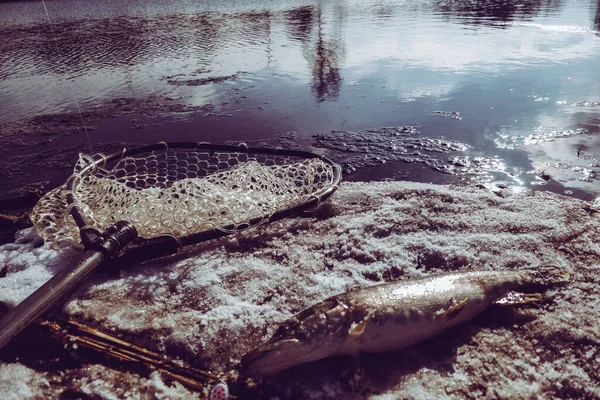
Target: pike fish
394,315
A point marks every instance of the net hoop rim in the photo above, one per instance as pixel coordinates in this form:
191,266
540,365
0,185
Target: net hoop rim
100,160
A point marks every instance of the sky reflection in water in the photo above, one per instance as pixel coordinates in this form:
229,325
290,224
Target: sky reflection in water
522,78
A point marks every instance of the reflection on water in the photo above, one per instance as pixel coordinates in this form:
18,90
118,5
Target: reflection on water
300,23
503,74
325,56
495,11
597,19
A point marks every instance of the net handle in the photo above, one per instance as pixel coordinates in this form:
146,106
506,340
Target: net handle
65,282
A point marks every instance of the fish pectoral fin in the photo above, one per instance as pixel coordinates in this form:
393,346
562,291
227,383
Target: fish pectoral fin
517,298
453,311
357,330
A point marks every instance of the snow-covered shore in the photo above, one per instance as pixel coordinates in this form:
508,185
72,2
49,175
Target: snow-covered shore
211,304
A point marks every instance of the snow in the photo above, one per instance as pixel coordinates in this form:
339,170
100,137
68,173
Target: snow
210,304
19,382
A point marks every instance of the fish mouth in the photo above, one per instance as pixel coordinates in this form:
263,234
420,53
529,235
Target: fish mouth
311,335
273,357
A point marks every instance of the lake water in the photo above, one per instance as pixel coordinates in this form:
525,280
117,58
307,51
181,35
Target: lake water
489,92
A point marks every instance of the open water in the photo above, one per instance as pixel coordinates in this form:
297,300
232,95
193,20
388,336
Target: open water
483,92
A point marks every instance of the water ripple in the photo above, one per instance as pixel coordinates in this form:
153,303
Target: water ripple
99,44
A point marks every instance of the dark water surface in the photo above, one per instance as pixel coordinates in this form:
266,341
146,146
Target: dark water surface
504,92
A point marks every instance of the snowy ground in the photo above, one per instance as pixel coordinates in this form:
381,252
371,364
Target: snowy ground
211,304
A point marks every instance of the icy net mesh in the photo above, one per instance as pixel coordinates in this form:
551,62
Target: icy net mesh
182,192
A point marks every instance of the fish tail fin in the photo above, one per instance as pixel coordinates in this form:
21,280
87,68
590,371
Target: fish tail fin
518,299
548,275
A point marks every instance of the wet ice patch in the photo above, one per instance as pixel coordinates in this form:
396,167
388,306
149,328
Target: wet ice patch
540,134
447,114
538,98
587,103
579,173
479,169
370,147
571,161
584,103
554,29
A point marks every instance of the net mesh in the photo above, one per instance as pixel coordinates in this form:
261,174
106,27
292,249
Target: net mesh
179,192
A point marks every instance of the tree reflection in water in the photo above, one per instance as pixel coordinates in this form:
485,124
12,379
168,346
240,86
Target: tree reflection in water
494,12
597,19
324,55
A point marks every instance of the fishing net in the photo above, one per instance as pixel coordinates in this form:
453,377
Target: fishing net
147,202
178,192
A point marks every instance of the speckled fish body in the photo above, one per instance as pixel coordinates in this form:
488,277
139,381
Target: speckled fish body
389,316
